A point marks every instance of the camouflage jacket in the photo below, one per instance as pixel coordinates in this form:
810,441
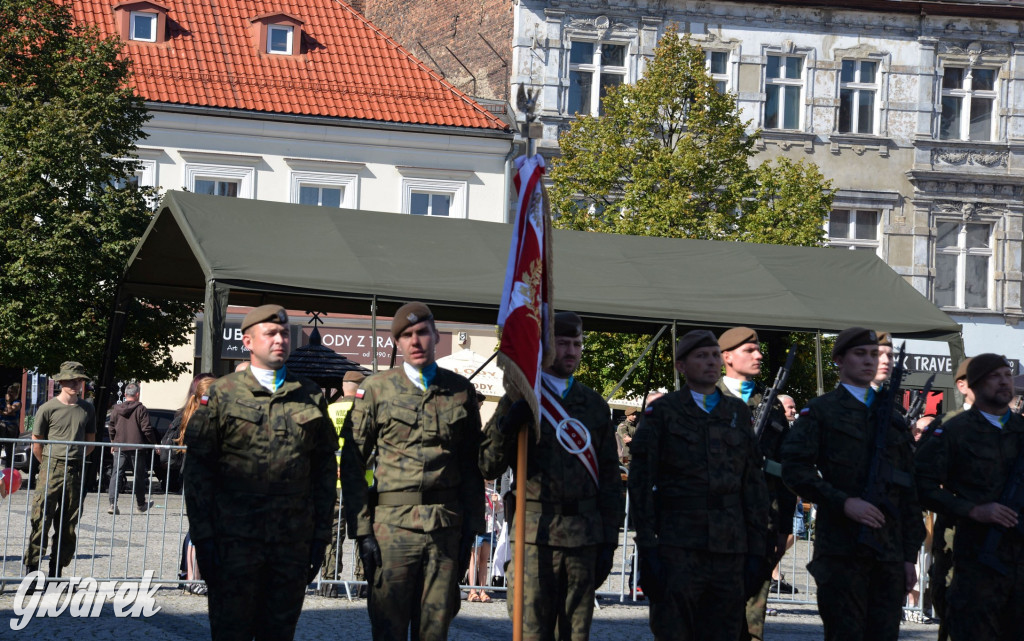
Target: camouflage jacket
695,479
261,465
781,500
555,476
625,428
967,462
425,442
826,459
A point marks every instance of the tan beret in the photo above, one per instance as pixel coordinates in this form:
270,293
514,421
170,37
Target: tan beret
853,337
733,338
353,376
961,369
884,339
568,324
692,340
408,315
984,364
265,314
630,411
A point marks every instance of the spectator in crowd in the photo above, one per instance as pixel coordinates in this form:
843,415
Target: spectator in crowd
65,417
789,405
10,420
482,547
129,425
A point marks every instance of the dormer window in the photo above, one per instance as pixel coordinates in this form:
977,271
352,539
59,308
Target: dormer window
277,34
143,26
141,22
279,39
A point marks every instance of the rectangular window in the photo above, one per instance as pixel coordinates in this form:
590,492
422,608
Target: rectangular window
593,68
857,90
856,229
427,204
963,264
279,39
142,26
968,104
321,196
212,187
784,87
717,63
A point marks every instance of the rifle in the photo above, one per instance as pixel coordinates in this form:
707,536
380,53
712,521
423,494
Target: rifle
763,412
1013,498
881,474
917,406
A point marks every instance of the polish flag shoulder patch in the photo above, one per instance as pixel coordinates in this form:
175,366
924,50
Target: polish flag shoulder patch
649,409
204,400
360,393
805,411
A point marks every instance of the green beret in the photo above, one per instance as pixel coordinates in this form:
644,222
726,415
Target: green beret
853,337
733,338
408,315
984,364
961,369
265,314
568,324
71,371
692,340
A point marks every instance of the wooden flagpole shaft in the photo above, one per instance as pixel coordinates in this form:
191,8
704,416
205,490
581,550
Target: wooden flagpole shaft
520,549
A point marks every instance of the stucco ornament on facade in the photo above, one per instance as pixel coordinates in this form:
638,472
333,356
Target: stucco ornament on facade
989,159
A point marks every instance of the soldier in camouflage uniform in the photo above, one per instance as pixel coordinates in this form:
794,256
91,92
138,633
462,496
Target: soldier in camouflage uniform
625,432
260,487
65,417
742,355
572,521
700,504
962,470
415,529
826,459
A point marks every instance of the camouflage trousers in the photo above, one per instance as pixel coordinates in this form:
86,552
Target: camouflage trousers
558,592
332,562
859,599
417,584
756,609
258,590
55,504
983,604
940,574
703,596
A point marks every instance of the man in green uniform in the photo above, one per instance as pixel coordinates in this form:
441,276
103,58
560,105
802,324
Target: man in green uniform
65,417
625,432
962,470
700,502
826,459
741,352
415,529
337,412
573,508
260,486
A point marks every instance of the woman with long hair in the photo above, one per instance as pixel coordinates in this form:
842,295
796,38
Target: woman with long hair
200,386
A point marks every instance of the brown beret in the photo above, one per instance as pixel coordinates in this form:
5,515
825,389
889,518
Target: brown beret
265,314
733,338
984,364
353,376
961,369
692,340
853,337
630,411
568,324
408,315
884,339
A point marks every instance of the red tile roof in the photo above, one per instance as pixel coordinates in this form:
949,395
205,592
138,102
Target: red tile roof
349,68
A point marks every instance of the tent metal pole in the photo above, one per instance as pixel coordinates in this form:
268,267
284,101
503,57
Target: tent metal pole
675,372
373,331
817,363
636,363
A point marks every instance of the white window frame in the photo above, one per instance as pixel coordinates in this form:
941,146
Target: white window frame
245,176
781,82
149,15
725,77
967,93
290,30
456,189
961,251
851,242
856,86
347,182
595,69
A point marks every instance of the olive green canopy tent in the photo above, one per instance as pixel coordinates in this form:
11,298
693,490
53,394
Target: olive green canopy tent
248,252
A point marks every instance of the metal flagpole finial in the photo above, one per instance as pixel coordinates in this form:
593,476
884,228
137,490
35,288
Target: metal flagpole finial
526,103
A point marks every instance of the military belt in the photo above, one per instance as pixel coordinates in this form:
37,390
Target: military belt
574,508
270,488
713,502
435,497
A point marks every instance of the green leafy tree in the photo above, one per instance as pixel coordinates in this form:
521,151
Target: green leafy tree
69,215
670,156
